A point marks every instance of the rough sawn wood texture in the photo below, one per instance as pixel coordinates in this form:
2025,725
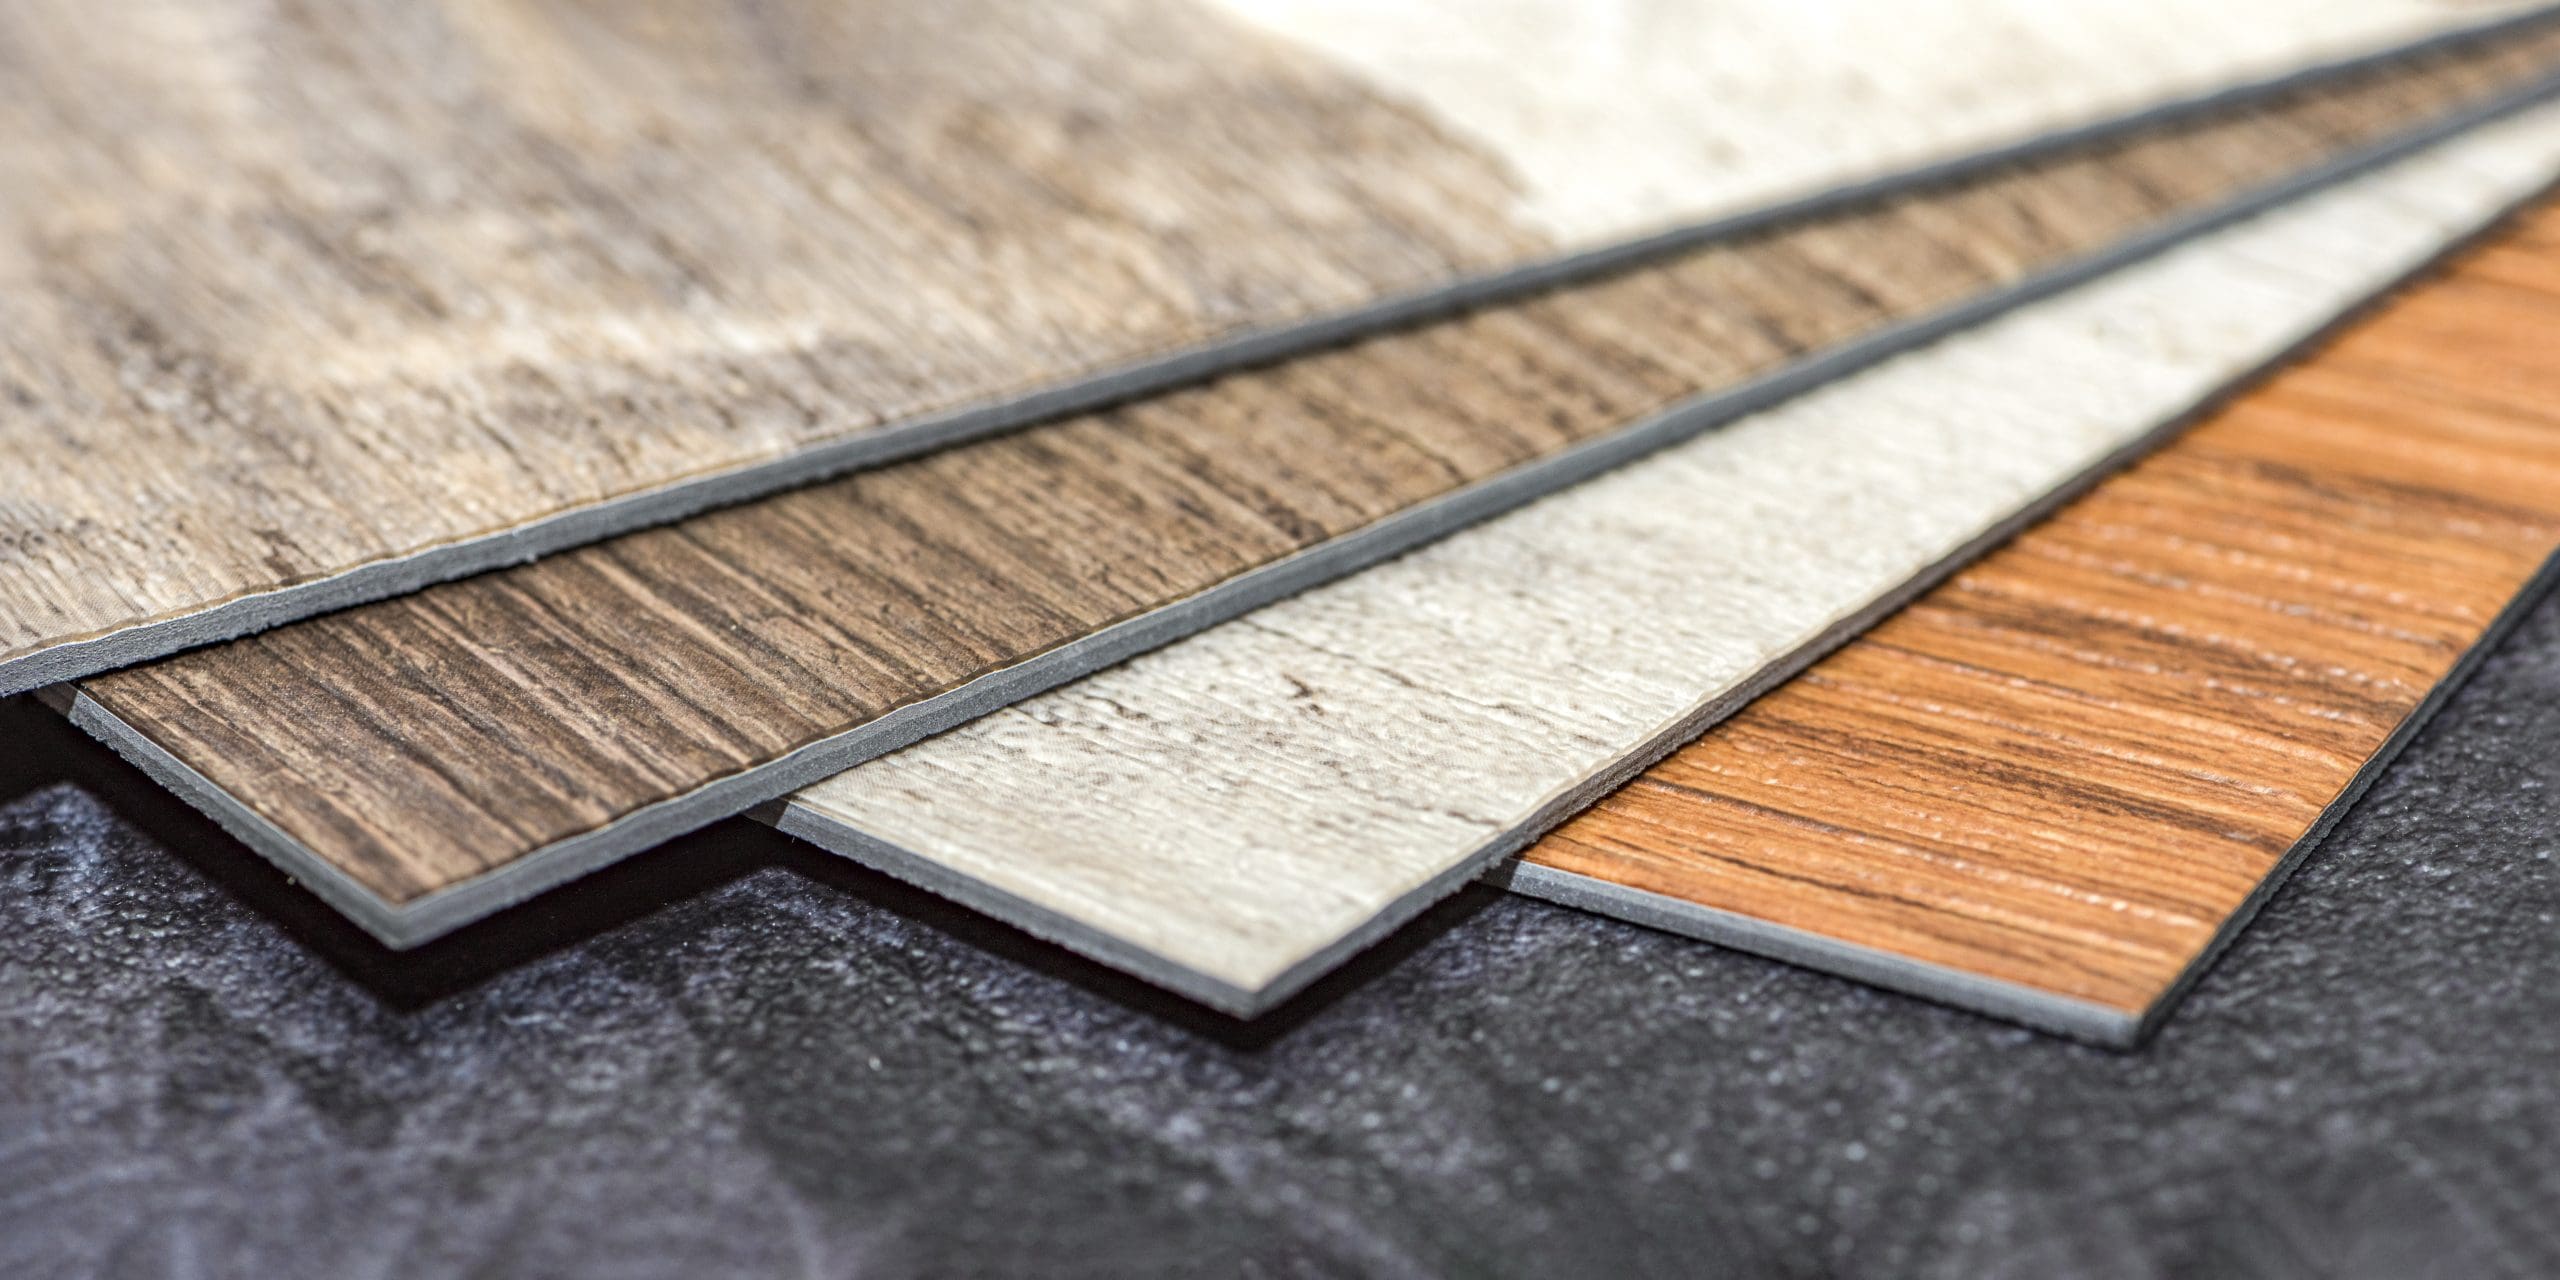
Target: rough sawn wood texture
2067,775
307,305
1234,814
592,702
290,291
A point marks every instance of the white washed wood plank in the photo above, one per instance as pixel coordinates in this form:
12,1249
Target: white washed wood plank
1232,815
1621,117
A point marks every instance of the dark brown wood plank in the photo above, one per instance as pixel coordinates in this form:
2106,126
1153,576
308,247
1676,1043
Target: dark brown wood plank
2067,774
427,743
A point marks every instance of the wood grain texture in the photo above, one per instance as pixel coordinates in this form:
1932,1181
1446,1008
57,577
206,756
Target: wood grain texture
587,704
1619,116
310,306
2063,778
1233,814
293,291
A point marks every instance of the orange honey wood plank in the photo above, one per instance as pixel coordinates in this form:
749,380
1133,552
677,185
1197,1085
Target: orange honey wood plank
2054,786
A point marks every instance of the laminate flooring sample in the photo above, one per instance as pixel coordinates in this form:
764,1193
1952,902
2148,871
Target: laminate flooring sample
2055,786
308,305
1234,814
424,760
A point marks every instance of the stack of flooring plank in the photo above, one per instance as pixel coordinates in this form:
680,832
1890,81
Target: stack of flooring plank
1200,479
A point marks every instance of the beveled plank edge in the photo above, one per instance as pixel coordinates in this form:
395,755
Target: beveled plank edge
2081,1020
1017,911
2533,593
561,531
403,925
1240,1002
384,920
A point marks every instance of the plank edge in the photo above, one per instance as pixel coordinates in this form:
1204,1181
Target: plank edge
387,922
2533,593
2084,1020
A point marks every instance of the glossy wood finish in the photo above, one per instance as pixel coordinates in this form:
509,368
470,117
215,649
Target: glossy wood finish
595,701
308,305
1234,814
2052,786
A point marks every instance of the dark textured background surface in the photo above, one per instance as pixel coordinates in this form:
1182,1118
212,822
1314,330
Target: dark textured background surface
736,1057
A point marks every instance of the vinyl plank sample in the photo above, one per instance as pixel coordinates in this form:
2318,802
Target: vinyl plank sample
308,306
430,758
2054,786
1234,814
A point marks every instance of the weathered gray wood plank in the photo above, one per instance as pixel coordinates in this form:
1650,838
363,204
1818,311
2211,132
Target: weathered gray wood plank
313,305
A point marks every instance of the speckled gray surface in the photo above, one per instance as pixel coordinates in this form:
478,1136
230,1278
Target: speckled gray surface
736,1057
